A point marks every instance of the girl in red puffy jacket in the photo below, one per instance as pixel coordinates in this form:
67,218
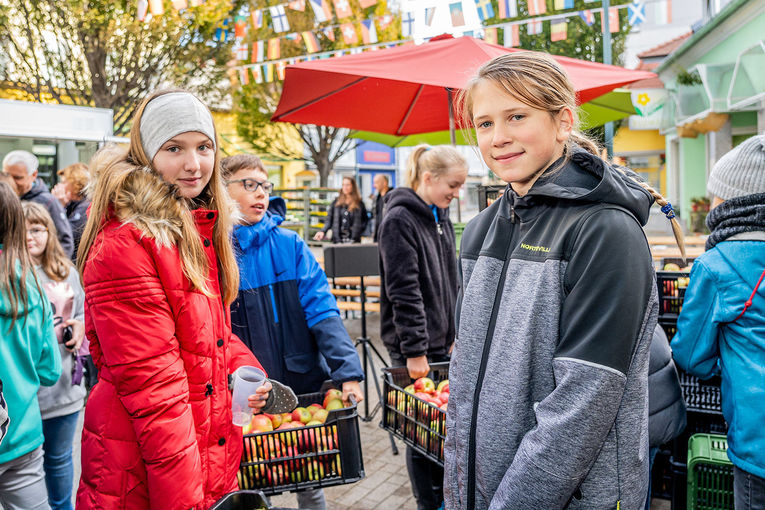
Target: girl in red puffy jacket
159,275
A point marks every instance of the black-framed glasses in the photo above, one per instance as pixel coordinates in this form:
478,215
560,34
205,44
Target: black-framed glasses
252,185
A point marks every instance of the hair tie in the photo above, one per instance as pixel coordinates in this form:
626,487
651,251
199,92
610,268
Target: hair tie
668,211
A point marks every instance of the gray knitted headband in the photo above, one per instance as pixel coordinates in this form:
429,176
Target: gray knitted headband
741,171
172,114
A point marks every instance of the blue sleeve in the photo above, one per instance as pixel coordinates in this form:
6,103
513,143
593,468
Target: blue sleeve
695,345
323,318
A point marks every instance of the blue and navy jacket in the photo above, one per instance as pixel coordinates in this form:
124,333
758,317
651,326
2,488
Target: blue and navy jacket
710,341
285,312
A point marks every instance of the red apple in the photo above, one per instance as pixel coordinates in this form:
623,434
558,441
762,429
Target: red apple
301,414
261,423
424,384
443,386
332,394
313,408
286,417
321,415
410,389
276,419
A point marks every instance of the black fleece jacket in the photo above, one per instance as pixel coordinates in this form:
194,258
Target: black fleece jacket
418,268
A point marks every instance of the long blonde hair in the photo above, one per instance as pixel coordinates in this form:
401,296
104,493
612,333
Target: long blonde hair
110,171
538,81
53,260
438,160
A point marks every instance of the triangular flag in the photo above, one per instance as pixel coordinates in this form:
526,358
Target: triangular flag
536,7
311,43
508,8
240,26
257,19
490,35
258,50
512,36
485,9
244,76
458,16
349,33
155,7
384,21
257,72
430,12
587,17
343,9
240,50
563,4
274,48
636,13
143,6
407,24
279,19
280,69
296,5
558,29
613,20
368,31
268,72
329,33
367,3
321,10
534,27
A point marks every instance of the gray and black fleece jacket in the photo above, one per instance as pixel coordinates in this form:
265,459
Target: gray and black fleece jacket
549,376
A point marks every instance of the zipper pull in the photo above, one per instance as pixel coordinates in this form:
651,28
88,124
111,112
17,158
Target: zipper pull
440,230
512,214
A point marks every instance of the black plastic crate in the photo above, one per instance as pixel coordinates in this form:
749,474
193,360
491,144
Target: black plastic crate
661,475
243,500
701,396
418,423
306,457
671,286
679,484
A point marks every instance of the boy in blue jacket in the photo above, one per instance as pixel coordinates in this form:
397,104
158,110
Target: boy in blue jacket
285,312
721,329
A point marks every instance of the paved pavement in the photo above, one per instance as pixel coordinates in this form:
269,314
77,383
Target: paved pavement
386,485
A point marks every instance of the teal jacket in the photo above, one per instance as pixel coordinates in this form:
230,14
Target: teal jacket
30,357
708,341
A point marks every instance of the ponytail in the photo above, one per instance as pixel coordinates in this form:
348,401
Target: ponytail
437,160
415,166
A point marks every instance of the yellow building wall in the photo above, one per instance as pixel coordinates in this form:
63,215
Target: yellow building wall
642,143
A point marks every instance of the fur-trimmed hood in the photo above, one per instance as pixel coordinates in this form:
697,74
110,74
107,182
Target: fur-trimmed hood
152,205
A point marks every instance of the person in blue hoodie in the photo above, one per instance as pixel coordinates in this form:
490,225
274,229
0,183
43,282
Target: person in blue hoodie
285,312
29,357
721,329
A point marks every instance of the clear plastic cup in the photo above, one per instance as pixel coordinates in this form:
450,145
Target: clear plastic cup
246,381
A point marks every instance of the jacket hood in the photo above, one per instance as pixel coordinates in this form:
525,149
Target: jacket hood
257,234
23,307
588,178
38,188
409,199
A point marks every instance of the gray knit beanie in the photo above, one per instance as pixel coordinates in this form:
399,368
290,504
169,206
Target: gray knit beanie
741,171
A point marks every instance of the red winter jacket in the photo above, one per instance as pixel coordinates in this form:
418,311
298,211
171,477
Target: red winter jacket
158,431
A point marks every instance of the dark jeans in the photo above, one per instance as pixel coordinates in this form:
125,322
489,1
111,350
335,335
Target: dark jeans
57,459
748,490
426,477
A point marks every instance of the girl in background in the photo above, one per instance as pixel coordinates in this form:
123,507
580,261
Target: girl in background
29,357
418,270
159,274
347,217
548,379
61,403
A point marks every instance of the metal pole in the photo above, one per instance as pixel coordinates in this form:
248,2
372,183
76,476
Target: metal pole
607,59
453,140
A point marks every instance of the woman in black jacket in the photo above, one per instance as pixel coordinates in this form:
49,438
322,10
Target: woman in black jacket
347,217
419,282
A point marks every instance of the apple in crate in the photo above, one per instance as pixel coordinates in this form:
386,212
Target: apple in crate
443,386
261,423
334,404
332,394
276,419
321,415
301,414
425,384
314,407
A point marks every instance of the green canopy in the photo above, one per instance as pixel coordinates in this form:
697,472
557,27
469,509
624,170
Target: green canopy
612,106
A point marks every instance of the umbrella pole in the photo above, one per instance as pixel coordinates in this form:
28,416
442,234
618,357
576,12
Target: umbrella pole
453,140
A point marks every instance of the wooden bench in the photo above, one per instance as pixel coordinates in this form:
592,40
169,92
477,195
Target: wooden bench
349,292
355,306
355,293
